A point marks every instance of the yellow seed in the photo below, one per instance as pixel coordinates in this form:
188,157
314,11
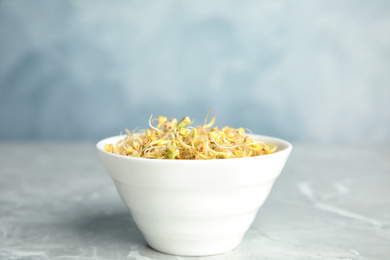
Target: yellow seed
108,148
173,122
247,140
145,141
148,133
255,147
161,121
183,131
159,142
184,122
136,145
194,133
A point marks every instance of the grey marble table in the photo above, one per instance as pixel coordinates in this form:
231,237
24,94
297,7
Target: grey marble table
57,202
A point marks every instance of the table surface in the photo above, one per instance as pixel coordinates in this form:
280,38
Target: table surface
58,202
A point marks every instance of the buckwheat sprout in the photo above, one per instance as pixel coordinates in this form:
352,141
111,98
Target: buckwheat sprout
172,136
121,140
151,126
225,147
184,144
250,132
148,149
205,120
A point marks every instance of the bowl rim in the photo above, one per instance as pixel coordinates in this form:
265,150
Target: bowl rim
287,149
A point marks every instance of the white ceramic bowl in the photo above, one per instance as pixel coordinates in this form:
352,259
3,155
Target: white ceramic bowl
194,207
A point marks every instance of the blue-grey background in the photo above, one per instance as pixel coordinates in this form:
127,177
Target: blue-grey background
306,71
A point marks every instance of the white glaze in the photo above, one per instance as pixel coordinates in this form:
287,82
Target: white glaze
194,208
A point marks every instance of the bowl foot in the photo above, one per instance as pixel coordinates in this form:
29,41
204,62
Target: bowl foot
192,246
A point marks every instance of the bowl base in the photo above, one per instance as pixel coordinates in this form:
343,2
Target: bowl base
192,246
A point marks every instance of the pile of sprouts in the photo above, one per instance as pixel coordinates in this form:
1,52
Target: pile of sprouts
171,139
